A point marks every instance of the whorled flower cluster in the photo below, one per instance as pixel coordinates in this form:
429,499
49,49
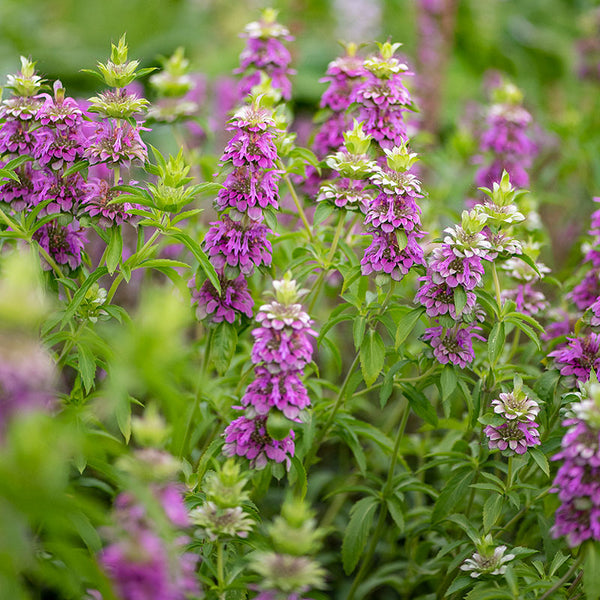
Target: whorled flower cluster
281,350
265,53
577,481
519,431
140,561
507,139
343,74
382,98
238,243
454,270
393,218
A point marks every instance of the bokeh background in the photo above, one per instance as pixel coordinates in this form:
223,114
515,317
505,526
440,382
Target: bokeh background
543,46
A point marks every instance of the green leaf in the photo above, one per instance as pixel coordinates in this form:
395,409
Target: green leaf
86,365
355,536
123,414
492,509
114,251
372,357
496,342
299,476
452,494
406,324
75,168
460,583
395,507
222,346
388,382
200,256
460,299
448,381
591,571
81,292
420,404
324,209
308,156
358,331
541,460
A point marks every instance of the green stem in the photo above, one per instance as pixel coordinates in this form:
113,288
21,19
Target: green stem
330,255
497,286
297,202
386,491
548,593
206,358
315,446
115,284
220,571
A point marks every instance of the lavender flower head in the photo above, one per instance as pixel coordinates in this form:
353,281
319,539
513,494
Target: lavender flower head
249,438
266,53
383,98
116,143
27,377
515,436
579,356
233,300
577,481
276,397
98,202
241,245
507,139
64,243
453,345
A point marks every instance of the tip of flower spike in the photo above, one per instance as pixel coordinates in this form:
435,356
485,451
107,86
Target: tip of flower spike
287,291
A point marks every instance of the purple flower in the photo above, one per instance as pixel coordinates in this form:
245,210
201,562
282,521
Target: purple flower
59,146
97,202
578,521
65,192
27,378
116,143
579,356
529,301
249,189
343,74
346,193
234,298
249,438
285,349
516,436
454,345
63,243
506,137
578,478
242,244
382,102
385,255
20,195
141,568
584,294
265,53
17,138
438,298
283,391
251,145
449,267
388,212
171,498
59,111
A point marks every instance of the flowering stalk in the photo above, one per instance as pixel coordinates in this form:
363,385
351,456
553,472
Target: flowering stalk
277,396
